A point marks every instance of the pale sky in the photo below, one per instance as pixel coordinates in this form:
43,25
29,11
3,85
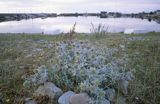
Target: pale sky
61,6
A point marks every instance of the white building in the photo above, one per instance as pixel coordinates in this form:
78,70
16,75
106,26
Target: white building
135,31
128,31
158,12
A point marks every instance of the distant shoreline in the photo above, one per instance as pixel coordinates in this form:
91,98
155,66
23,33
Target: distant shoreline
151,16
63,34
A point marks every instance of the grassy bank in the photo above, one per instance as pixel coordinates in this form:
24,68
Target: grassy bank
21,53
145,60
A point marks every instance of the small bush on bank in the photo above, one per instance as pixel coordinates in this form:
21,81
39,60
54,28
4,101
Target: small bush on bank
100,31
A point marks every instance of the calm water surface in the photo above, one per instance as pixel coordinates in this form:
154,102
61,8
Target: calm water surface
63,24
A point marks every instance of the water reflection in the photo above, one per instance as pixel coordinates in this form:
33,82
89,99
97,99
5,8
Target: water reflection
63,24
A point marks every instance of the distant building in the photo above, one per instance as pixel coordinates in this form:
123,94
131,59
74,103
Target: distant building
103,14
158,12
135,31
128,31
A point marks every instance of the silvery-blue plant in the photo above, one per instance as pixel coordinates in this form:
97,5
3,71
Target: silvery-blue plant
40,76
85,67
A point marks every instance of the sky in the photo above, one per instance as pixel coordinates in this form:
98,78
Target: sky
67,6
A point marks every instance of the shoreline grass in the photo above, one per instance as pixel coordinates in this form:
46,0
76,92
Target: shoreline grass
22,53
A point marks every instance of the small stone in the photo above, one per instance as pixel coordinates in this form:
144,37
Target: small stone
64,99
24,77
30,101
122,46
21,67
110,94
29,55
37,50
123,86
82,98
48,89
27,99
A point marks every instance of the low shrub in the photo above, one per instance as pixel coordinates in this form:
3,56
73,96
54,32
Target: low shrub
83,67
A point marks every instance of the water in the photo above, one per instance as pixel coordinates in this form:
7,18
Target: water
64,24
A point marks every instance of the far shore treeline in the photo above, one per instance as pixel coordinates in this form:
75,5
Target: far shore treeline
153,15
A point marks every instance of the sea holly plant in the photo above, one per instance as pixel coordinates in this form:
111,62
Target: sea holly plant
82,67
40,76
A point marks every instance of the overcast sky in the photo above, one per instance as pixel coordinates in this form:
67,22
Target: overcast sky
58,6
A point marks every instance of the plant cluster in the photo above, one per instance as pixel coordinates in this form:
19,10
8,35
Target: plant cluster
100,31
83,67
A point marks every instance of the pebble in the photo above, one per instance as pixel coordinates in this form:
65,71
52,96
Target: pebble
64,99
48,89
81,98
